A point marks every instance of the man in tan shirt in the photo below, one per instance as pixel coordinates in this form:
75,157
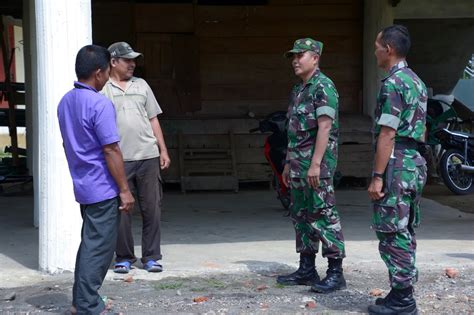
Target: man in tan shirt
144,153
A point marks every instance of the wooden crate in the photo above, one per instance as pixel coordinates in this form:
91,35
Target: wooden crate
207,168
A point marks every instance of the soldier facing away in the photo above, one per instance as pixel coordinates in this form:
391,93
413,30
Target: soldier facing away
399,170
309,170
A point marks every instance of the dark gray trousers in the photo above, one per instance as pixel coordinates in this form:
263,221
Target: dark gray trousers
144,180
96,251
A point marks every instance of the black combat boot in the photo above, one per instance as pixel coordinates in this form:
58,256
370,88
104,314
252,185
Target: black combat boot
334,279
381,301
305,275
399,302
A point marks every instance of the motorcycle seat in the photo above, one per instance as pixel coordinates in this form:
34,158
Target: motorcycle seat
464,135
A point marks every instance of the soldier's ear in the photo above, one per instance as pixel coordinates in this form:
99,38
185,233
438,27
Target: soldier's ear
316,58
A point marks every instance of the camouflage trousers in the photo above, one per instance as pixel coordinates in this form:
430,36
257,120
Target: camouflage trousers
394,220
316,219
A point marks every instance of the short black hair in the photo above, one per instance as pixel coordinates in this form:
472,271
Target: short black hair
397,37
89,59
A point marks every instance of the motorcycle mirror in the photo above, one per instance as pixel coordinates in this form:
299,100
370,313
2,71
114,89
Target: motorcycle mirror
251,114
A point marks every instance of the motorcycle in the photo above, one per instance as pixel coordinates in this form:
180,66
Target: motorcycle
275,148
457,162
451,150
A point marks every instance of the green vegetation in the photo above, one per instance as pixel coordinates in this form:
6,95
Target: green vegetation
279,286
214,283
168,285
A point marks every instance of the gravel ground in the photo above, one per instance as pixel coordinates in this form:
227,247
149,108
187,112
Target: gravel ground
440,193
247,292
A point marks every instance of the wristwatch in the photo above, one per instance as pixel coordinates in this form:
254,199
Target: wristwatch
379,175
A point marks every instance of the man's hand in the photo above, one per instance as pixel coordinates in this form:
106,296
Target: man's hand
313,175
286,175
375,189
165,160
126,201
113,157
385,143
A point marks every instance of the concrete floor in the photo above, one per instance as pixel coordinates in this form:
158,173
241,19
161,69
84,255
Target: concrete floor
226,232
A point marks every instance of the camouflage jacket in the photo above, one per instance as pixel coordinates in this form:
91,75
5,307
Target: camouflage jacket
401,105
309,101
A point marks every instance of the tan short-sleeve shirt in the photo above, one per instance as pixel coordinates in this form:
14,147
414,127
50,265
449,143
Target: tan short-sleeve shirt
135,106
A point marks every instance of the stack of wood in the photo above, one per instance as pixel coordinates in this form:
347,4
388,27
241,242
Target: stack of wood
218,153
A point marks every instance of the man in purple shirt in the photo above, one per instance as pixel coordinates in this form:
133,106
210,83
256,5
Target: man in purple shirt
90,139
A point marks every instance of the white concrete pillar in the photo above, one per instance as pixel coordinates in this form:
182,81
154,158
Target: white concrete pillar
30,45
62,28
377,14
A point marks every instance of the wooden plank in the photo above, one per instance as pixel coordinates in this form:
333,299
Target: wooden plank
271,69
277,44
262,91
216,141
164,18
354,160
254,171
105,17
296,30
349,100
361,137
206,126
250,156
306,2
276,92
252,15
240,108
245,68
337,19
256,141
356,122
348,123
355,152
207,167
172,70
355,168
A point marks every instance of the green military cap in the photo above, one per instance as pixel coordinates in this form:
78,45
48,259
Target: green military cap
305,44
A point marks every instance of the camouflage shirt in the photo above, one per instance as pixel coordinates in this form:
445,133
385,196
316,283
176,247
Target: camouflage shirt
401,105
309,101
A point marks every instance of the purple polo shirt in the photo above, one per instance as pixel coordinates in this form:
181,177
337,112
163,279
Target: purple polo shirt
87,123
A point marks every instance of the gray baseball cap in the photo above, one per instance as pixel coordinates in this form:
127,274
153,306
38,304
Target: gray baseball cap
123,50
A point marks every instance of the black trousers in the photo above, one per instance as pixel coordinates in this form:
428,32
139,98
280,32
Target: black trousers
144,180
96,251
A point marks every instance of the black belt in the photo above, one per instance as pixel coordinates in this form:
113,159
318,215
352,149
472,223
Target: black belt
406,144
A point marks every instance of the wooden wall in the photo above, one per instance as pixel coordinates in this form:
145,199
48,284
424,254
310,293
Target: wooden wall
454,39
239,50
210,65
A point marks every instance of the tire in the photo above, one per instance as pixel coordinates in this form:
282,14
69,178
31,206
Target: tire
459,182
284,199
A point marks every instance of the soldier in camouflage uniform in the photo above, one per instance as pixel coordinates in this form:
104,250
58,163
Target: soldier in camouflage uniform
399,169
311,163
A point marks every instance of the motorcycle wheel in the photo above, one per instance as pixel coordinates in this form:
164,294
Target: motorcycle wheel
284,199
459,182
